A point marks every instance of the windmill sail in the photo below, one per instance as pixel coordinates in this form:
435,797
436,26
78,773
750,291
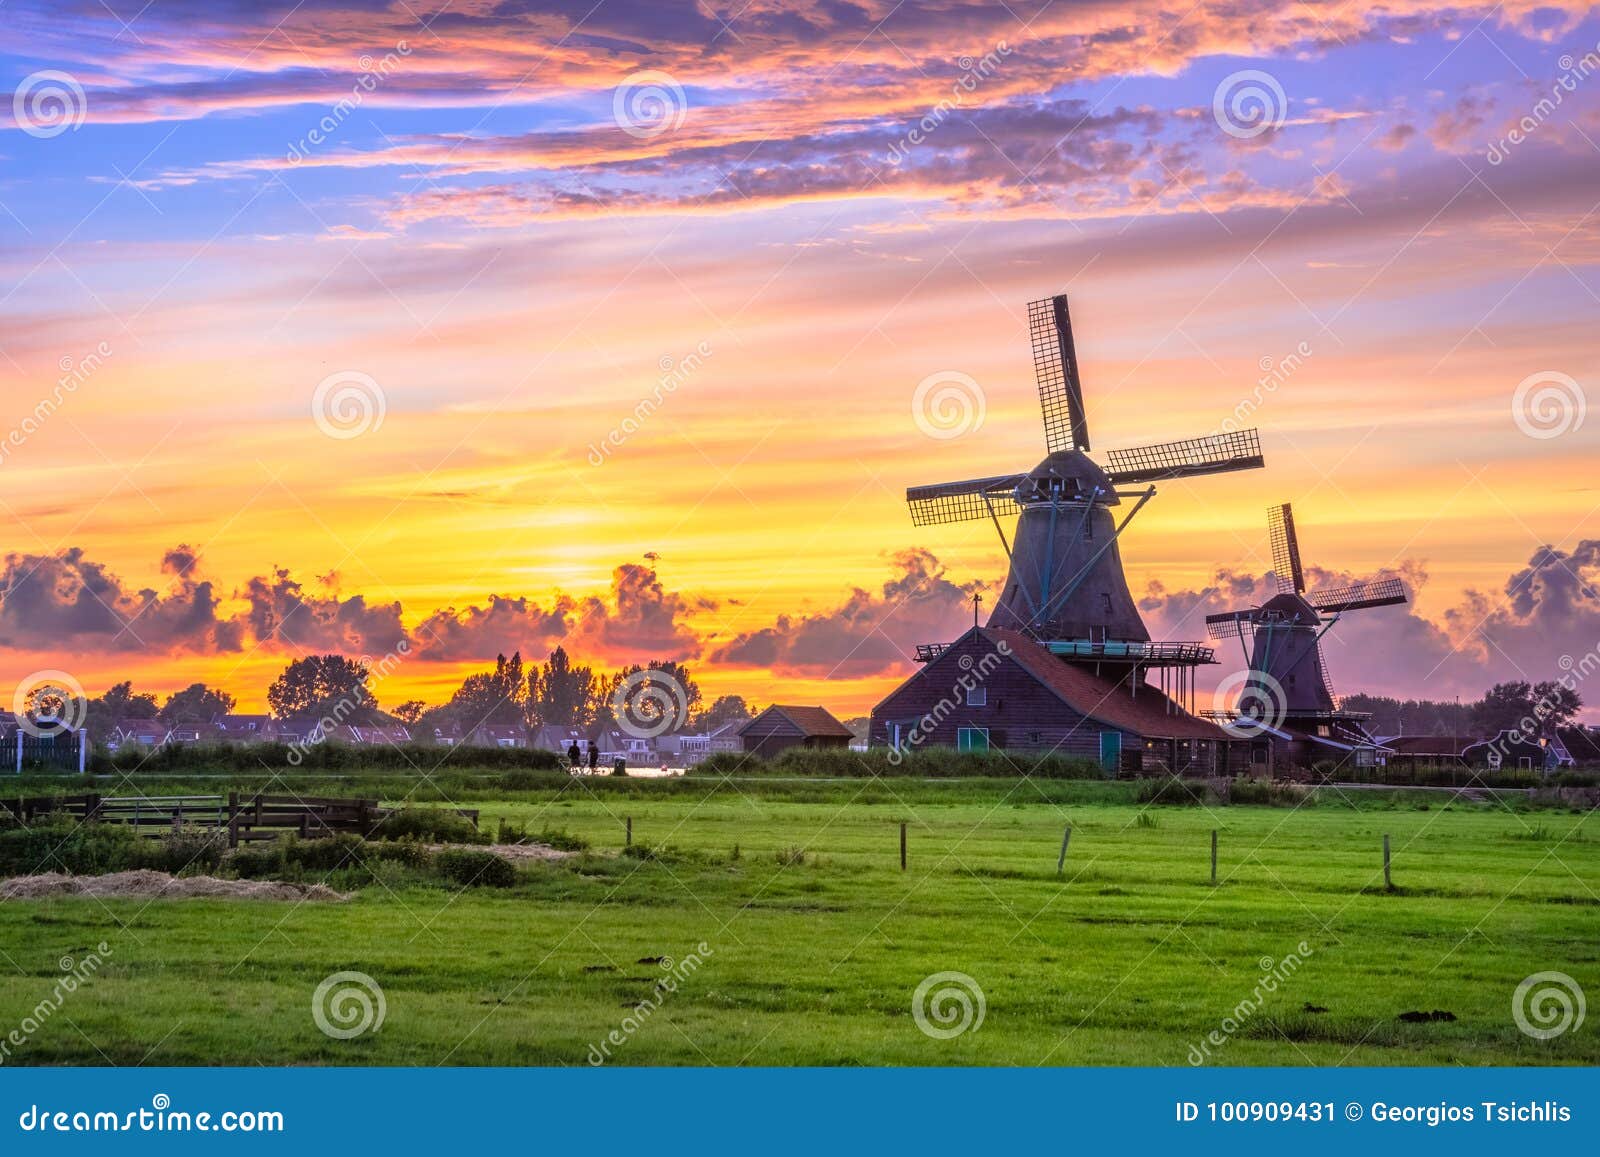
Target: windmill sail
1055,365
964,501
1285,549
1239,450
1380,593
1229,625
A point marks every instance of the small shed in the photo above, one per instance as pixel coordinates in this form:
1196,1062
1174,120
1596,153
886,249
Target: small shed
780,727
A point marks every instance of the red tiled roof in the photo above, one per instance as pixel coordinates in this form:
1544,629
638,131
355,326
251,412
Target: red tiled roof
810,720
1144,712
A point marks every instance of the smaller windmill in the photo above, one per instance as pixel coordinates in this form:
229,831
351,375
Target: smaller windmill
1287,694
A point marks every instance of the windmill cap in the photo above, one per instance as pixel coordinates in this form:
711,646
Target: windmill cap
1292,607
1074,473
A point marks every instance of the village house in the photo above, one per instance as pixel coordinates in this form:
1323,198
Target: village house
780,727
999,689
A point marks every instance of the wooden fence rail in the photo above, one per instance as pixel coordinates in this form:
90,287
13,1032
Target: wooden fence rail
244,817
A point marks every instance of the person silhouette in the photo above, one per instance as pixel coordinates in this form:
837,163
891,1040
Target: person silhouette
573,754
594,756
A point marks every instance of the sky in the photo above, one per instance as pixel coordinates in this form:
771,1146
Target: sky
482,326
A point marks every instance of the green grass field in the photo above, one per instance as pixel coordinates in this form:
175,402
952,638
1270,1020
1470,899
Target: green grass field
1131,956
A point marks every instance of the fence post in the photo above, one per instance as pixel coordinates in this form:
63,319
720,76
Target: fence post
629,836
902,845
19,751
1213,855
1061,860
1387,882
233,819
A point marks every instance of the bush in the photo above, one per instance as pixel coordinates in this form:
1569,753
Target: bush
434,825
1266,794
475,869
322,855
1174,791
923,762
66,846
791,857
261,863
187,849
252,757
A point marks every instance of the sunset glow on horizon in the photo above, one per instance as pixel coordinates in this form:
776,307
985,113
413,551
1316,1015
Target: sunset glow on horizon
495,327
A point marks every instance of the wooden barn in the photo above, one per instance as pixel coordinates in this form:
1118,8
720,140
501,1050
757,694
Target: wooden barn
999,689
780,727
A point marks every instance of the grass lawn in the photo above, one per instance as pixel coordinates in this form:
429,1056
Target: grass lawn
1131,956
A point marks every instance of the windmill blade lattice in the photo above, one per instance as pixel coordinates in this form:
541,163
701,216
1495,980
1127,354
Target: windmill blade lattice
1285,549
1055,366
1239,450
1379,593
964,501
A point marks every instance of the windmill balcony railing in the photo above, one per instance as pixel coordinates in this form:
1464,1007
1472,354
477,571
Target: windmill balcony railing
1176,654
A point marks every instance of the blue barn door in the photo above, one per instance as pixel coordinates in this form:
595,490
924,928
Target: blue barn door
1111,752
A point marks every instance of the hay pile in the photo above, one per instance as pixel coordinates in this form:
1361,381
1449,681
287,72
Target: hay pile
160,885
509,851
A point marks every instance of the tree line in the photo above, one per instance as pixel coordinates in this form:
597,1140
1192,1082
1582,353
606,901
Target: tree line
557,691
1504,707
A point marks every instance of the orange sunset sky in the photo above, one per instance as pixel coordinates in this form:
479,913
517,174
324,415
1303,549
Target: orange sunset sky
498,227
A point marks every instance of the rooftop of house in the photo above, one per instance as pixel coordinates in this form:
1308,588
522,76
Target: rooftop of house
1144,710
811,721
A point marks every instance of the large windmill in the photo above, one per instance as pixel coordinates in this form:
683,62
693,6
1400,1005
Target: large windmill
1287,688
1066,587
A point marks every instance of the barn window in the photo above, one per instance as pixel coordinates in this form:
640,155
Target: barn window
977,696
1088,528
972,739
1105,602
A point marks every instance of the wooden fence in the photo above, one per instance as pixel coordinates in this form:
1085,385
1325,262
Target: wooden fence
243,817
